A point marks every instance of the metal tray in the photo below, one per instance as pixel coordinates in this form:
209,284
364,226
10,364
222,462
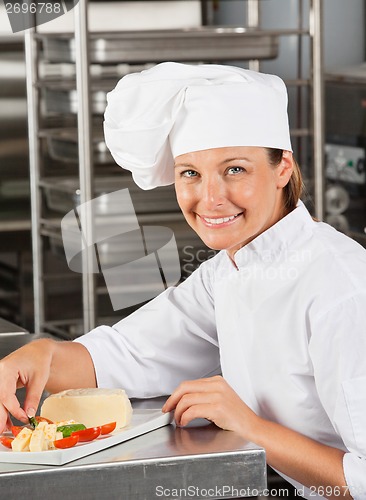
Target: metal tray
191,44
355,74
60,94
62,195
62,97
63,145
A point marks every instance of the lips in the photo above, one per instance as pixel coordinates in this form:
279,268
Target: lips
216,221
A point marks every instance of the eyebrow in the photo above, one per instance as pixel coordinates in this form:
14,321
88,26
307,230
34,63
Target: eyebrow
228,160
185,165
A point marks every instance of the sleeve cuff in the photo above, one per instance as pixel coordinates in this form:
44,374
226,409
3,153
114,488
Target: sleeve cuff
355,474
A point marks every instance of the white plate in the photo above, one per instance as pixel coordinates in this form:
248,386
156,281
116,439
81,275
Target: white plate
143,420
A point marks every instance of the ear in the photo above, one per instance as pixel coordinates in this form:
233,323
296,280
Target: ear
284,169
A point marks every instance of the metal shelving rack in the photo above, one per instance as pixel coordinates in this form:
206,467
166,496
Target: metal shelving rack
14,196
315,83
222,47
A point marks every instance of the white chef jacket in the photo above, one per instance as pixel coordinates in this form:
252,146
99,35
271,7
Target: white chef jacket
286,327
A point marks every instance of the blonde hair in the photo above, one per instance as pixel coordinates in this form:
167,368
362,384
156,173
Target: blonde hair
294,188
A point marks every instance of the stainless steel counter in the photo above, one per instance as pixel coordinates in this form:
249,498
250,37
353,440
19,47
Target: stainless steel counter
10,329
199,461
169,462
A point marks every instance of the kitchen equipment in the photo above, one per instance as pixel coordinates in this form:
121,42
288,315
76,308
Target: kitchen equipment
191,44
7,328
63,194
131,15
60,95
345,149
339,222
336,200
63,146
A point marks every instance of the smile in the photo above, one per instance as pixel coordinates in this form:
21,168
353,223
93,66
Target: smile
219,220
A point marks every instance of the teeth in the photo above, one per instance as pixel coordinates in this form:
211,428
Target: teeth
219,221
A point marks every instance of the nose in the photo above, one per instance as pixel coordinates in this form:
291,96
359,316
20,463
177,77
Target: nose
213,193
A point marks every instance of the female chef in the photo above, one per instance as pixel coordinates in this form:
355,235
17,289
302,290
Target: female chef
267,338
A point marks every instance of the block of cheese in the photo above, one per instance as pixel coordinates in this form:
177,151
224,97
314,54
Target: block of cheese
37,441
50,435
91,407
21,442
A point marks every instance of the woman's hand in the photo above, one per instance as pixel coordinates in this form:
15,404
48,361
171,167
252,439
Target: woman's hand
27,367
211,398
305,460
41,364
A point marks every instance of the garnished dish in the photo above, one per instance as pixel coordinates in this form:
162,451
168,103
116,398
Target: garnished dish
75,423
72,416
42,434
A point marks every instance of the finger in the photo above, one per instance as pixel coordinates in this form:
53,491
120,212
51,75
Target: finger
9,401
189,400
169,405
188,386
9,423
5,422
173,399
3,418
12,405
205,410
34,392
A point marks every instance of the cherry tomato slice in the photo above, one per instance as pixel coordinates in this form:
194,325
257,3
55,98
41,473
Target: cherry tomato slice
107,428
15,429
6,441
68,442
87,434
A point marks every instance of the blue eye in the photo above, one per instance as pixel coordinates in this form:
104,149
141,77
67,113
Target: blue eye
189,173
236,170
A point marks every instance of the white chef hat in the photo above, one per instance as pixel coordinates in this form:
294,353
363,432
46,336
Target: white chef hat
171,109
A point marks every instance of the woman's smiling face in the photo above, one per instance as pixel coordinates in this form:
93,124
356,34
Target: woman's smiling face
231,195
